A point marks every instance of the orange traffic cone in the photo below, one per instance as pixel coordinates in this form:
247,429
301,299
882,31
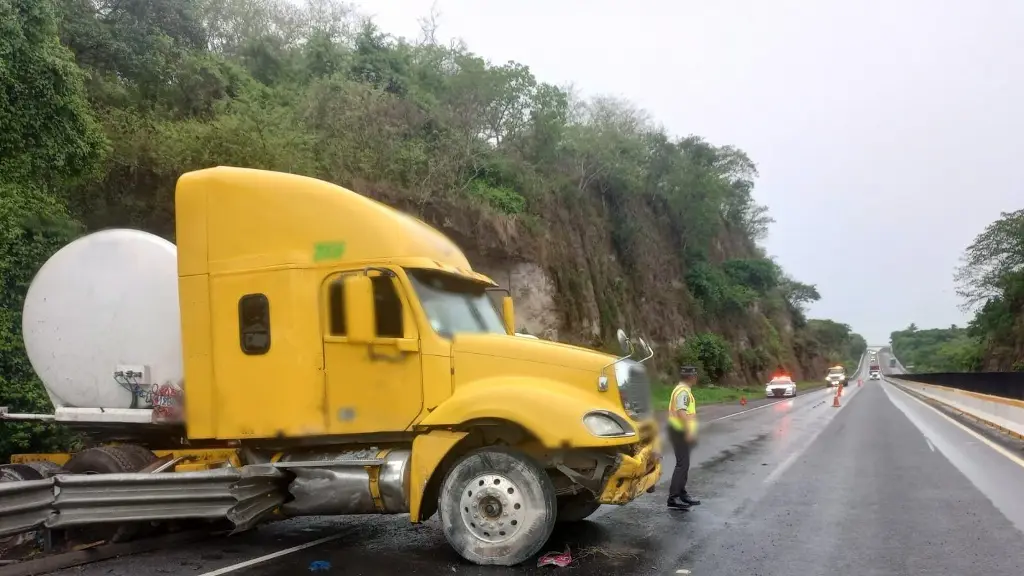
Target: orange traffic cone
860,382
743,400
839,390
835,400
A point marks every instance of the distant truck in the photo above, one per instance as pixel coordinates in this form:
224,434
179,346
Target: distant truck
305,350
892,362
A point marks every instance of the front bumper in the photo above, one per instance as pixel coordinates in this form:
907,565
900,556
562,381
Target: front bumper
633,474
780,392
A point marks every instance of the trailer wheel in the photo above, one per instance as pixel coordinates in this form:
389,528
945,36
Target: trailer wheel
104,460
17,473
497,506
45,468
576,507
142,456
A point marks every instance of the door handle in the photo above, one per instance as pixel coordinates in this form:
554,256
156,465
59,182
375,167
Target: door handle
403,347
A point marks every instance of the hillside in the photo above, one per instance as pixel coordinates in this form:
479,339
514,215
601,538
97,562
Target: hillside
592,214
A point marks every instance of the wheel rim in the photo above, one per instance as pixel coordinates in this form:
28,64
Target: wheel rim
493,508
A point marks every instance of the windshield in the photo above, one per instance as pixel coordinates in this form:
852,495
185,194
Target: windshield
454,304
835,371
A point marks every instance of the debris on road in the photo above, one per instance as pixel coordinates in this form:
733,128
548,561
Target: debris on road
560,559
319,566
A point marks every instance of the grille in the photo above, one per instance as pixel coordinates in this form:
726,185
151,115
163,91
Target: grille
636,393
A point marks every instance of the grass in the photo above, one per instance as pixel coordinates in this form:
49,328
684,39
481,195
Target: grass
718,395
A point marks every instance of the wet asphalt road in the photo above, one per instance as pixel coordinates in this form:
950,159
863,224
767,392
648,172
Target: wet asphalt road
883,485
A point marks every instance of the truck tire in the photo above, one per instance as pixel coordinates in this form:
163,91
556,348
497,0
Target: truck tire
105,460
497,506
142,456
18,473
576,507
45,468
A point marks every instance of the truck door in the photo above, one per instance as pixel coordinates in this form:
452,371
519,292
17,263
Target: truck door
374,386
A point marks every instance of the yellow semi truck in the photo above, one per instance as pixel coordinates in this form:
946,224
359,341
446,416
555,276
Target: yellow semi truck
305,350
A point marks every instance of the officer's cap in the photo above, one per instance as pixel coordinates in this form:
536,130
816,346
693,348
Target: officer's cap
688,372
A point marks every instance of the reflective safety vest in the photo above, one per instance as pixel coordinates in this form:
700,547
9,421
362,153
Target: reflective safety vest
682,394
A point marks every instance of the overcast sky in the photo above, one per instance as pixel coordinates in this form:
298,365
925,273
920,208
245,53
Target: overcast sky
886,132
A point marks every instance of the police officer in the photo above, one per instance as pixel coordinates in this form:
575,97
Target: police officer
682,431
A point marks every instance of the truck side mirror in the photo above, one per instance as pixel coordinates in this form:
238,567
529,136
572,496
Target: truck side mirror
359,309
508,314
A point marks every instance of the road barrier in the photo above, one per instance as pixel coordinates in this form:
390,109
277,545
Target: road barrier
1006,414
1001,384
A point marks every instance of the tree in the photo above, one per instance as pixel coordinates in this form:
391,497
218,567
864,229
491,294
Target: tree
41,84
995,253
48,140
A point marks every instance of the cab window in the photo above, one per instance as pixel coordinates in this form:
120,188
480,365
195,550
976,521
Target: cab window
387,307
254,324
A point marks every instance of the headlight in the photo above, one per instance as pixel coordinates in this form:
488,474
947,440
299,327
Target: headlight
606,424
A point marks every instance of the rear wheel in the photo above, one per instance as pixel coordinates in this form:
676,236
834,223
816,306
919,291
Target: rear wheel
142,456
497,506
106,460
45,468
17,473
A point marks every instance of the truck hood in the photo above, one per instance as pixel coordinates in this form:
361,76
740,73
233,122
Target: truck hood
531,350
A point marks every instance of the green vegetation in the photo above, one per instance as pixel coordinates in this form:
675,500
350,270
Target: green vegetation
721,395
836,342
991,282
936,350
107,103
709,353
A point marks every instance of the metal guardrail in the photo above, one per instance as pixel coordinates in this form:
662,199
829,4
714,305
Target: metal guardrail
241,495
24,506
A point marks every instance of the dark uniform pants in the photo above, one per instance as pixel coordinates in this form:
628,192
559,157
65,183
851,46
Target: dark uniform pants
682,470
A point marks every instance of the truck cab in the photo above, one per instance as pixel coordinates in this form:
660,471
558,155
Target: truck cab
349,354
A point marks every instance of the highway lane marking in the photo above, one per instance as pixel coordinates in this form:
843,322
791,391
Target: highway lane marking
1009,455
278,554
787,462
760,407
745,411
930,445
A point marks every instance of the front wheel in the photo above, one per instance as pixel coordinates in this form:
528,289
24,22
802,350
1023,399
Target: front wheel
497,506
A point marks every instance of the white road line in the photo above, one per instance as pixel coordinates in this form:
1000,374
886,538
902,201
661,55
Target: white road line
786,463
757,408
278,554
930,445
745,411
1010,455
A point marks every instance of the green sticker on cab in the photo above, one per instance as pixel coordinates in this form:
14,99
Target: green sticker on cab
328,251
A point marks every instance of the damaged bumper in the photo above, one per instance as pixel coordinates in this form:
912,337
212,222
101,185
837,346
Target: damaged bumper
633,474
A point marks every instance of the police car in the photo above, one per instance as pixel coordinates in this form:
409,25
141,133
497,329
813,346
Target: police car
781,386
